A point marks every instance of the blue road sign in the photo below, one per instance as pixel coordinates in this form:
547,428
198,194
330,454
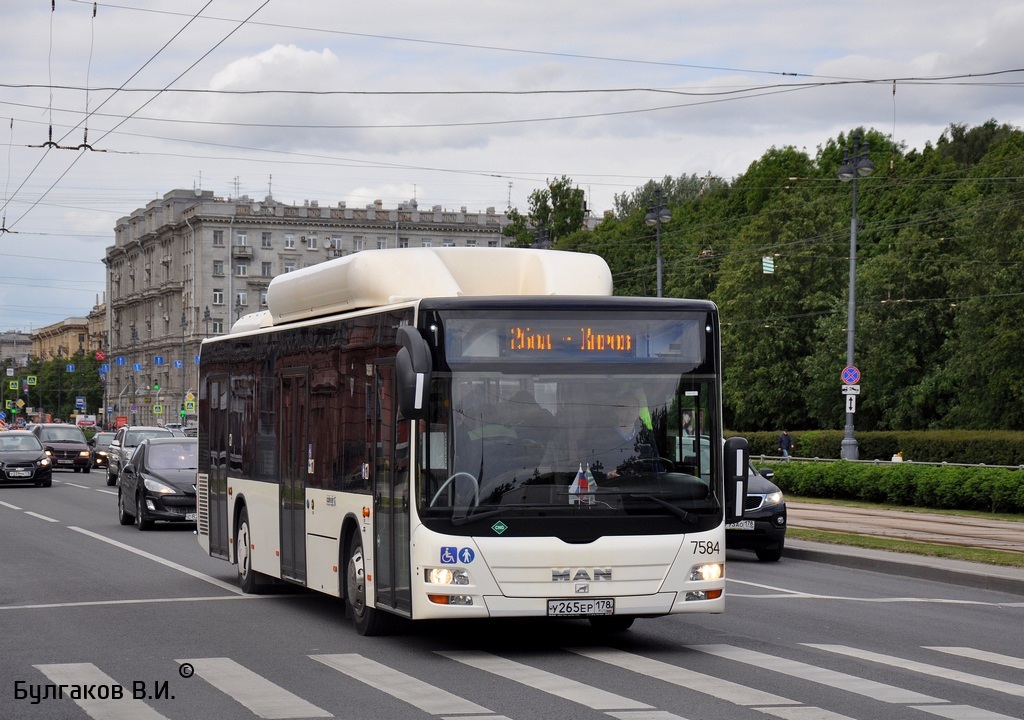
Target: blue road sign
120,360
851,375
158,359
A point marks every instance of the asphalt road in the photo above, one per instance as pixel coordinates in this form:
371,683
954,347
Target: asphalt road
87,603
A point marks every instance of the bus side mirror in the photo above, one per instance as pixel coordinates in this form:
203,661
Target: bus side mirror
413,371
736,462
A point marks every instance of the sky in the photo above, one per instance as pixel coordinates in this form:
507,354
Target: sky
451,103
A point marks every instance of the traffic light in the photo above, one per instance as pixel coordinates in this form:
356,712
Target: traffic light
156,386
183,411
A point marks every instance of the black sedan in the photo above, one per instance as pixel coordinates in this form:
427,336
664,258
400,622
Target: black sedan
100,444
23,459
158,483
763,527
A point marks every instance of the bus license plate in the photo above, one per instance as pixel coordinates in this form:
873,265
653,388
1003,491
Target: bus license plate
190,517
581,608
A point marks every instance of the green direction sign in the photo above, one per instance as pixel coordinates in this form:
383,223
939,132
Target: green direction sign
31,379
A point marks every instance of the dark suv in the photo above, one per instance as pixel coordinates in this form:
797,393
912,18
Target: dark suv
66,446
124,443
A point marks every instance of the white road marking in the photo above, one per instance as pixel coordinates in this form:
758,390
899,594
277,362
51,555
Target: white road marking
428,698
1007,660
930,670
850,683
557,685
684,677
41,517
261,696
155,558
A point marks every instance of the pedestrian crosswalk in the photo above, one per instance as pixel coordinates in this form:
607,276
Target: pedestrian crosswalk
697,675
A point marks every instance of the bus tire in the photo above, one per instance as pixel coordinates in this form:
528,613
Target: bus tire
248,579
368,620
612,623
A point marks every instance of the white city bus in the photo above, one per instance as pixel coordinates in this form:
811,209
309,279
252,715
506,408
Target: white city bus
425,433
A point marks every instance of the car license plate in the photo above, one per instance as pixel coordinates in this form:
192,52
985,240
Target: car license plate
581,608
190,517
20,473
65,462
741,525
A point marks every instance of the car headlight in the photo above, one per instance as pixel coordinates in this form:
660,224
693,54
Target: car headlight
48,452
43,462
773,498
85,453
158,487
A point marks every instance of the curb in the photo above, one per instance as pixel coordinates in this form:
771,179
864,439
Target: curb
956,572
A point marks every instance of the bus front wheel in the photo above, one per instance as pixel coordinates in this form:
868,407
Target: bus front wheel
367,620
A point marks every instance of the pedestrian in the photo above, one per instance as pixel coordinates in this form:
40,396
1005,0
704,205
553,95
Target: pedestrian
785,443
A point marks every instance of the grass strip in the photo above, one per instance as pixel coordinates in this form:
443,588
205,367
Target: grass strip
952,552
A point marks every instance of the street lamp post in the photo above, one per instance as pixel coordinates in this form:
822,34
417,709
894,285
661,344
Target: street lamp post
135,387
207,317
855,164
658,215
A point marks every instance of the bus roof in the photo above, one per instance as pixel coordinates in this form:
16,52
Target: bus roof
375,278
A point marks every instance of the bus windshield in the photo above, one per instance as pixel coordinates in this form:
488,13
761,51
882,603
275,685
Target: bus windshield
629,446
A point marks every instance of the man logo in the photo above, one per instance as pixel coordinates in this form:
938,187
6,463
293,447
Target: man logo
581,575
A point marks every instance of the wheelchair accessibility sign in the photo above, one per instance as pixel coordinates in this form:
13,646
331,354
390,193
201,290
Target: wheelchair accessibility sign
453,555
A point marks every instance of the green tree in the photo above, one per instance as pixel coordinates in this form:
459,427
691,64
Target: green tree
559,208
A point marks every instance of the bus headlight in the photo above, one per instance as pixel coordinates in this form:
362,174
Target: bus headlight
446,576
710,571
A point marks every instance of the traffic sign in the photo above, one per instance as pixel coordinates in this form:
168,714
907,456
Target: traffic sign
158,359
158,409
850,375
80,401
851,403
100,356
851,389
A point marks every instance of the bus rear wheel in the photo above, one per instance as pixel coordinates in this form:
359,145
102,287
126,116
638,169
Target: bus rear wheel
368,621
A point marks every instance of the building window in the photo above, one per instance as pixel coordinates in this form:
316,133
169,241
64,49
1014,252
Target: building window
425,242
447,242
265,242
289,266
241,269
218,238
382,242
357,243
242,297
492,243
218,268
403,242
471,243
311,242
265,270
289,242
336,242
241,238
218,296
218,327
263,298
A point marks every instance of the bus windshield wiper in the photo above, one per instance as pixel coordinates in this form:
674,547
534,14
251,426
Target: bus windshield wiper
686,517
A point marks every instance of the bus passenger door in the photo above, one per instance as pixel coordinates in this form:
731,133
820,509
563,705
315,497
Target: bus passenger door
215,457
295,456
391,497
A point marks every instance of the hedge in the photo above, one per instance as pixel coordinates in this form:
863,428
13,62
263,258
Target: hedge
967,447
986,489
